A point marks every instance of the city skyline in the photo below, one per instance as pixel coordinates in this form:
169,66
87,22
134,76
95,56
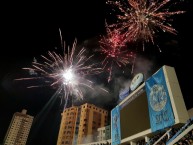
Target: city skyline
30,32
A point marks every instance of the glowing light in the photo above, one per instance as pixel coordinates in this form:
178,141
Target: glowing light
68,77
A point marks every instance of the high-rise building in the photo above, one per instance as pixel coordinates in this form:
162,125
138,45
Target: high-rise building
79,124
19,129
67,126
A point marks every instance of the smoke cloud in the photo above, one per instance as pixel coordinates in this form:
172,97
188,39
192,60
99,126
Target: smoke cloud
121,77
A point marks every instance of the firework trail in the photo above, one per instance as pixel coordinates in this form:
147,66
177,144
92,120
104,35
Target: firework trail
113,47
142,19
65,72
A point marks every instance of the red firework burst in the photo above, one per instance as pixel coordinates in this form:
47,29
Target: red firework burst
113,47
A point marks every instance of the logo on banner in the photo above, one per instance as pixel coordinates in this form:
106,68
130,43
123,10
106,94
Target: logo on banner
158,97
115,126
159,105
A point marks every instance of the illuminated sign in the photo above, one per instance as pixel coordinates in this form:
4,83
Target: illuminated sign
124,94
136,81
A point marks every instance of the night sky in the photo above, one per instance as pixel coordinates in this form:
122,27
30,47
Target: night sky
30,30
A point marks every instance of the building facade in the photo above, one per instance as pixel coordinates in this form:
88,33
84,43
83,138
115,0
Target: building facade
19,129
104,133
79,124
67,126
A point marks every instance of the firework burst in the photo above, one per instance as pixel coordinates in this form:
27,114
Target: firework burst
142,19
113,47
67,72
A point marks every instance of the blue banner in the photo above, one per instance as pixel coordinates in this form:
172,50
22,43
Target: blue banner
159,104
115,126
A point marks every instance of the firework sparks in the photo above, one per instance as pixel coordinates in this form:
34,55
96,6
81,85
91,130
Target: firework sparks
113,48
113,38
66,72
141,19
